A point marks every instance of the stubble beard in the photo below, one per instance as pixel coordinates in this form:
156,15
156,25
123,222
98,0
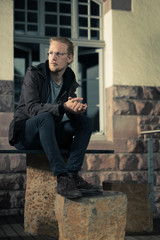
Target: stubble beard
56,69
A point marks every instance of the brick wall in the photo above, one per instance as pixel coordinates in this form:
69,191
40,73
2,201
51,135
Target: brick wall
129,106
12,183
129,109
12,167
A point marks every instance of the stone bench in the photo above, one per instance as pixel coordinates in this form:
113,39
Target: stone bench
39,212
92,217
139,208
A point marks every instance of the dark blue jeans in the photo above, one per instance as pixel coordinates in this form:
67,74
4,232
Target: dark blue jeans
41,131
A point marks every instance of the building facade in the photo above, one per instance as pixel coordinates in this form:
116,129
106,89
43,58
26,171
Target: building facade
116,63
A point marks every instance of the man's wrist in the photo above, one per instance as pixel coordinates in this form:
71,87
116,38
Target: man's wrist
62,109
65,107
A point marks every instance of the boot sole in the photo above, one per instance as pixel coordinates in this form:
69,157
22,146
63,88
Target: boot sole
90,191
71,196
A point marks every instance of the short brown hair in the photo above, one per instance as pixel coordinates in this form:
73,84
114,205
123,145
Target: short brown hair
66,41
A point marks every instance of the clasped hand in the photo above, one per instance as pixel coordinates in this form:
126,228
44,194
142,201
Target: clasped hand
75,106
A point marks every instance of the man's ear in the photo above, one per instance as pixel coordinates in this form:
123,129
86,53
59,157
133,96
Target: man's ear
70,58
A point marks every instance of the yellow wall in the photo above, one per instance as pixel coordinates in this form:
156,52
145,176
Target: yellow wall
6,39
133,45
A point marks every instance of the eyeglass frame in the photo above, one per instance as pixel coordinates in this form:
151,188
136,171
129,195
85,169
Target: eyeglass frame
58,54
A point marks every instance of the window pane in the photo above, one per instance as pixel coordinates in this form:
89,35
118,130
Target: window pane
94,34
19,16
50,7
94,22
19,28
50,19
83,9
83,1
94,9
65,32
83,33
19,4
65,8
32,4
50,31
64,20
32,17
88,73
83,22
32,28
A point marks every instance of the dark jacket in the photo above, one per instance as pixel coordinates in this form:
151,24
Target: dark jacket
34,95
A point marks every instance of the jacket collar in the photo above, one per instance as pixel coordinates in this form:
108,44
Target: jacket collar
68,76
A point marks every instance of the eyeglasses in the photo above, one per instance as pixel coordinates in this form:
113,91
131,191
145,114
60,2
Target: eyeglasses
58,54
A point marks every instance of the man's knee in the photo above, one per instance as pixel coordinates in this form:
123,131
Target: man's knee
45,117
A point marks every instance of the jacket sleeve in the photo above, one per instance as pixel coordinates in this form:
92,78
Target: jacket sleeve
35,96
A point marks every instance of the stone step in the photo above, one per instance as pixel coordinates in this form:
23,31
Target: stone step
92,217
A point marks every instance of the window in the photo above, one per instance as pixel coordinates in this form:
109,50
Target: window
89,19
88,79
24,55
35,21
26,17
57,18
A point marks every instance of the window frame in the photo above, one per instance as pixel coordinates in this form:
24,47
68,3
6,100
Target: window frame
97,44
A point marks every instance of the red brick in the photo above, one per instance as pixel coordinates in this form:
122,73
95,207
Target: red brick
4,163
139,176
18,163
135,145
128,162
142,161
157,178
101,162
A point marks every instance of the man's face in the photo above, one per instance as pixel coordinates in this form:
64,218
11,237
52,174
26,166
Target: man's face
58,57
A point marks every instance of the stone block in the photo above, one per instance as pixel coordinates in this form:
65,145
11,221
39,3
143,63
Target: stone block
144,108
133,162
127,92
157,179
4,144
128,162
17,163
139,176
6,103
93,217
12,181
5,119
5,200
142,161
121,107
4,163
101,162
139,209
6,87
135,145
17,199
156,161
39,214
151,93
122,123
